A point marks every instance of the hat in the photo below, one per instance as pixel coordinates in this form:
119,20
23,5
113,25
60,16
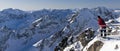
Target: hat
98,16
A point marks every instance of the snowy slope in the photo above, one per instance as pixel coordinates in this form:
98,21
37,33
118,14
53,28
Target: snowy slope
20,30
110,43
77,46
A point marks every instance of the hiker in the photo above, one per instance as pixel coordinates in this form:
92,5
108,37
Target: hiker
102,25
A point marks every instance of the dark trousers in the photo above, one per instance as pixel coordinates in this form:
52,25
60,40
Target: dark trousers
103,32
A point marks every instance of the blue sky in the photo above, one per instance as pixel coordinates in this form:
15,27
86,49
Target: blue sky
57,4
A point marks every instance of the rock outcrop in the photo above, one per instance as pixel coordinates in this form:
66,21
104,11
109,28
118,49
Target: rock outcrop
96,46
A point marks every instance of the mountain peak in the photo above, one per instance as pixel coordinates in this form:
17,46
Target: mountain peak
12,11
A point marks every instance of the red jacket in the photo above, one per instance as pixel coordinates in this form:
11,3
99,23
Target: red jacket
101,22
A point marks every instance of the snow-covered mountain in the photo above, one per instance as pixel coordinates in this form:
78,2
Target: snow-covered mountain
44,30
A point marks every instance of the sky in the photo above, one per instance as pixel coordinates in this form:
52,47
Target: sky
57,4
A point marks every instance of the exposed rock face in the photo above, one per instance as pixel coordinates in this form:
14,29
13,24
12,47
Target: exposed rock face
96,46
116,47
62,44
86,36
